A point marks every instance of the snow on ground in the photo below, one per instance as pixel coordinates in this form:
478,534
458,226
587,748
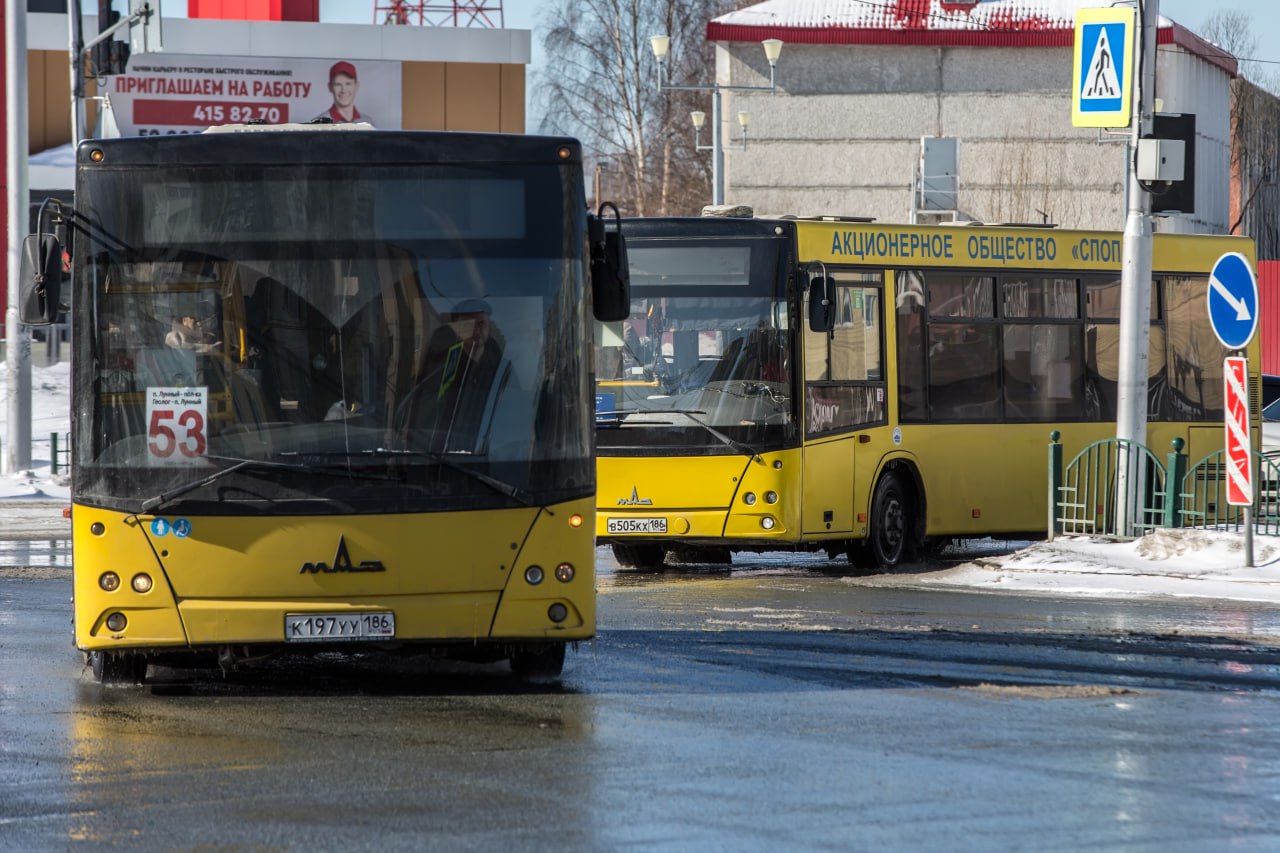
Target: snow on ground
1191,563
50,413
1199,563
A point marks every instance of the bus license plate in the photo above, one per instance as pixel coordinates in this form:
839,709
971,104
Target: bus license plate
326,627
637,525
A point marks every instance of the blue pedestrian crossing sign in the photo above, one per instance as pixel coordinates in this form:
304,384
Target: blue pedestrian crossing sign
1233,300
1103,71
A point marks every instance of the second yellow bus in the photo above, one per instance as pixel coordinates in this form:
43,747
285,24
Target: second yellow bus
917,411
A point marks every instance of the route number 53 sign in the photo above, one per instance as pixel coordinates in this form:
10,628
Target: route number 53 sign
176,424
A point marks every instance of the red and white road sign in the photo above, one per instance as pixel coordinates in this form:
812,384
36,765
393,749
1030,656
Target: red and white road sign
1235,374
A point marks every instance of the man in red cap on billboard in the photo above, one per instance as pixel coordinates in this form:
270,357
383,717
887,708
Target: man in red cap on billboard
343,84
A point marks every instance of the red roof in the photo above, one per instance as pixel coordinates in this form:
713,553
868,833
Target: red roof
944,23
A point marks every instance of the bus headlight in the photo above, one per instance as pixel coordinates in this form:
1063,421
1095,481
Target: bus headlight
557,612
749,498
771,497
109,581
564,572
767,522
533,575
141,582
116,622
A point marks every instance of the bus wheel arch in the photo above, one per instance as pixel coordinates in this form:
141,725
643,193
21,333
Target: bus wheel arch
896,523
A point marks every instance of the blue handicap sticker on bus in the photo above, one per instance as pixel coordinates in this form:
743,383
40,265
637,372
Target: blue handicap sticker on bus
182,528
160,527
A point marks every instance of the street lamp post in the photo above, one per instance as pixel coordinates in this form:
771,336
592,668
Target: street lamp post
772,50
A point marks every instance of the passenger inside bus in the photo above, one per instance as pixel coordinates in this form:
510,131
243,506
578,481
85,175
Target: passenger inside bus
188,333
755,357
452,408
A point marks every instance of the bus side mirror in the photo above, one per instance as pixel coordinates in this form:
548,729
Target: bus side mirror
821,316
41,279
610,275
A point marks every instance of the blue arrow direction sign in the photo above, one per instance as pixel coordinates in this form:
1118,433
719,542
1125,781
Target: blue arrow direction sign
1233,300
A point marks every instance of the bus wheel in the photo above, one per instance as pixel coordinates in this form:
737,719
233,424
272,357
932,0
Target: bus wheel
860,557
118,667
538,662
644,557
889,542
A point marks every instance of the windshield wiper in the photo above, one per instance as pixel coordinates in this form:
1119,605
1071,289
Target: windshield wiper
739,446
165,497
500,486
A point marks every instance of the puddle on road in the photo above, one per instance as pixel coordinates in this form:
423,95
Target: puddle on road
16,556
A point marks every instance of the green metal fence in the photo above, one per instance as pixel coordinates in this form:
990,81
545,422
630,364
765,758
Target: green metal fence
1114,487
1204,496
59,452
1085,499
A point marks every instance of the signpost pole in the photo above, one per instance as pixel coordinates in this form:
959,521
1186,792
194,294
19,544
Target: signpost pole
1248,527
17,336
1232,300
1135,284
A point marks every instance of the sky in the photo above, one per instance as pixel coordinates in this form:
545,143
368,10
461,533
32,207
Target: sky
1201,564
1265,15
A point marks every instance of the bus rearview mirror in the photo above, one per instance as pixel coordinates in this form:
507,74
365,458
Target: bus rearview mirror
820,300
41,279
610,274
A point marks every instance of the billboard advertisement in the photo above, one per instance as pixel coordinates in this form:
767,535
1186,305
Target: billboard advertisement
167,94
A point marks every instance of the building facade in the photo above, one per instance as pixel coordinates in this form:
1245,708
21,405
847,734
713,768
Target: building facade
863,85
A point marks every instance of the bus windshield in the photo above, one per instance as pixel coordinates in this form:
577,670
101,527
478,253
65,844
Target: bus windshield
324,338
707,345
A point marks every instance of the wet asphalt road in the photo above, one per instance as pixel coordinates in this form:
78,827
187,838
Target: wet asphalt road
774,707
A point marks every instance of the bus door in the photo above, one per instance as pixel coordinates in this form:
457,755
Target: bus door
844,394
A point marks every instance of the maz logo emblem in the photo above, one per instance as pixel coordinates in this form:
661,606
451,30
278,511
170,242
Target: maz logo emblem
342,563
634,500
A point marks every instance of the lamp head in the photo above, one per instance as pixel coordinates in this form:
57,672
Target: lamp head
772,50
660,45
744,118
699,119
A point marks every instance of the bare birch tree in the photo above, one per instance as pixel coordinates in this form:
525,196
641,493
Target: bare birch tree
1234,32
600,85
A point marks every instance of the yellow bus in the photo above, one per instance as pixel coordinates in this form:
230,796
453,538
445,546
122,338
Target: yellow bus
330,391
915,411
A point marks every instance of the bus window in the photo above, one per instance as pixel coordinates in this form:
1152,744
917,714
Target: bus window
1043,372
844,368
912,403
1043,362
1033,297
1102,349
855,339
964,374
1194,353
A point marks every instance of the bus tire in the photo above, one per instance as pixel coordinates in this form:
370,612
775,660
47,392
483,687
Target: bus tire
645,557
538,662
118,667
889,540
860,557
